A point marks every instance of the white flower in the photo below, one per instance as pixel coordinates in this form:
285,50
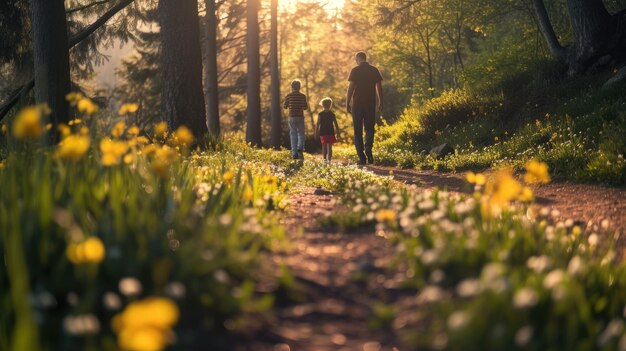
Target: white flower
524,335
553,279
575,266
538,264
458,320
593,239
111,301
469,288
176,290
130,286
525,297
430,293
429,257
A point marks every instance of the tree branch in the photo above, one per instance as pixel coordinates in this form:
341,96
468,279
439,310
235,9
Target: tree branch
557,50
82,35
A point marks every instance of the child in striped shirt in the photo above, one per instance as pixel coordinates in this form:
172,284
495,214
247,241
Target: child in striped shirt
296,103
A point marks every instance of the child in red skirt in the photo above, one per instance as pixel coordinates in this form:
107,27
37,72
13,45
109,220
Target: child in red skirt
326,129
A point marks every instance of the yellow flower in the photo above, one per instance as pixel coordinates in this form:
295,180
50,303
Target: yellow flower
476,178
73,98
75,121
94,250
142,140
64,130
536,172
499,193
128,108
183,137
386,216
150,149
27,124
160,129
248,194
163,158
91,250
145,325
129,158
526,195
86,106
228,177
73,147
84,131
118,129
112,151
133,130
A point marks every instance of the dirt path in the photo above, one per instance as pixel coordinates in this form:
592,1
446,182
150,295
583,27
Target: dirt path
340,278
587,204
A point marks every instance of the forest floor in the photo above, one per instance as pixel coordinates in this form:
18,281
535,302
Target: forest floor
344,280
585,204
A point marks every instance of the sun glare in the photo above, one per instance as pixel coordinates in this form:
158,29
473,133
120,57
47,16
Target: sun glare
328,4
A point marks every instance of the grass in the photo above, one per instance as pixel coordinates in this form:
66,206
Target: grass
510,281
193,232
574,125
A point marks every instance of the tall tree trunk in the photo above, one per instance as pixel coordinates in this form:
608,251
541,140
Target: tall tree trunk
51,58
547,30
594,33
211,70
275,112
599,37
253,129
183,98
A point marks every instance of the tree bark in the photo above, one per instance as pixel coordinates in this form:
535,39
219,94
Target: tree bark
594,33
556,49
253,129
275,111
183,98
51,58
599,37
211,69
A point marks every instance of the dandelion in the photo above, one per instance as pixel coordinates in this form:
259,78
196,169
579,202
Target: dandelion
248,194
86,106
118,129
536,172
91,250
160,129
386,216
475,178
146,325
228,177
73,147
133,131
526,195
28,124
112,151
163,158
127,108
73,98
183,137
64,130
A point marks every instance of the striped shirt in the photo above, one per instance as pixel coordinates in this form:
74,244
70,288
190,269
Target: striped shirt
296,103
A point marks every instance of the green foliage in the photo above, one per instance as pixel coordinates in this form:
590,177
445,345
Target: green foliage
203,228
519,281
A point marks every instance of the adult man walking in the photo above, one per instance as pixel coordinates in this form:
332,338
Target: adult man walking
365,85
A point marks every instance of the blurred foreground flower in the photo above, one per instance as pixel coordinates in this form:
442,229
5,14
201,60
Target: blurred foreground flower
386,216
91,250
163,158
228,177
128,108
73,147
536,172
112,151
118,129
86,106
28,123
160,130
476,178
183,137
146,325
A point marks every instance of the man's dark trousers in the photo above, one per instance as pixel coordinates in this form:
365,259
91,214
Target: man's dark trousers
363,117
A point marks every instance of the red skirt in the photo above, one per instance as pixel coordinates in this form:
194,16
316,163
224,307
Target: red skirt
328,139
